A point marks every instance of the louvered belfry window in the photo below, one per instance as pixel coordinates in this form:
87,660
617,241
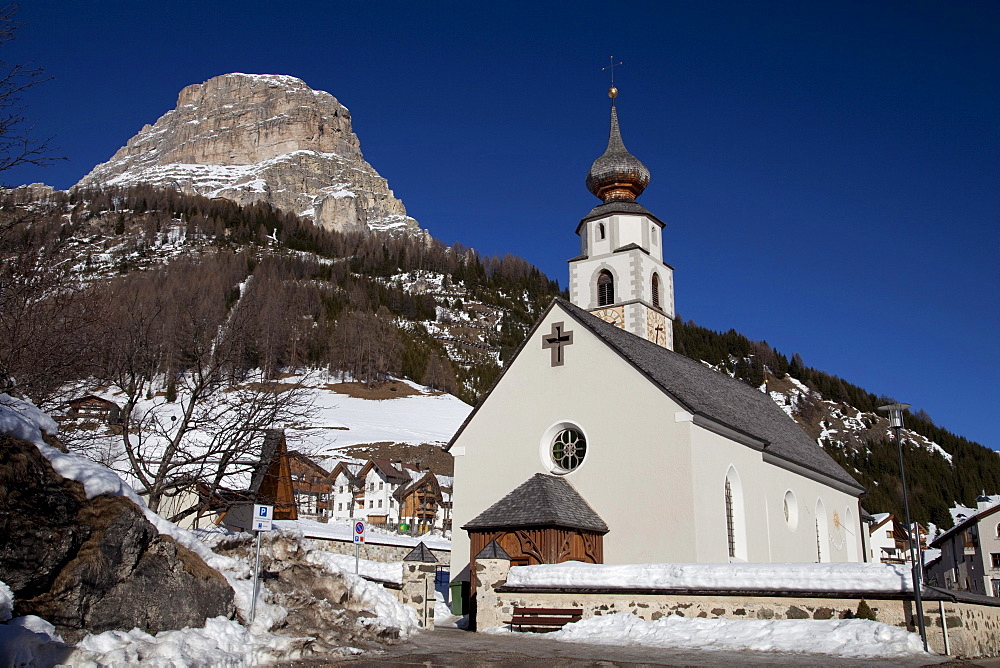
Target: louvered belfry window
656,290
605,289
730,532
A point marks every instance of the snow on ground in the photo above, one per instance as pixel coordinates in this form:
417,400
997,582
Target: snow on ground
343,531
388,571
389,612
778,577
6,601
851,638
342,420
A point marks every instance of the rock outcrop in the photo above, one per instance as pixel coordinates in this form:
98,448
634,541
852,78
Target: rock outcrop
261,138
94,565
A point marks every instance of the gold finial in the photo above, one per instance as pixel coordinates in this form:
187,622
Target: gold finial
612,92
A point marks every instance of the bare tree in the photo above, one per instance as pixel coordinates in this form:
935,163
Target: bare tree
367,345
176,330
17,145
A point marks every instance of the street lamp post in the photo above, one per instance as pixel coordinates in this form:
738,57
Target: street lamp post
895,412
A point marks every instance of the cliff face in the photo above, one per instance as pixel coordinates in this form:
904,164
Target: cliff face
261,138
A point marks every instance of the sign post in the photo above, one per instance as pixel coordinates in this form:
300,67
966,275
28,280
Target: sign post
262,516
359,538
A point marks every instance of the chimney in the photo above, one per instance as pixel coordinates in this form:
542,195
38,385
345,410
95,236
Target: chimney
983,502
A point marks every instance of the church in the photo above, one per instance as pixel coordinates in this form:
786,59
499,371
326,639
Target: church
599,443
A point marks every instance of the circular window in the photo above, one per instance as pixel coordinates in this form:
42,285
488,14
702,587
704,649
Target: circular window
791,510
569,447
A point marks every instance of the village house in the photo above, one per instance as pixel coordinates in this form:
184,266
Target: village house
970,551
392,494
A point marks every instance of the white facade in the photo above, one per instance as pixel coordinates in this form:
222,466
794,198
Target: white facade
628,247
655,473
970,553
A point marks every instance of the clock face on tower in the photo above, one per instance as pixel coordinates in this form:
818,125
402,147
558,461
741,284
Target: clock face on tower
614,315
656,328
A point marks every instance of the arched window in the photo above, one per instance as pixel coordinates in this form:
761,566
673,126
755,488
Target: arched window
736,531
605,288
822,533
656,290
600,230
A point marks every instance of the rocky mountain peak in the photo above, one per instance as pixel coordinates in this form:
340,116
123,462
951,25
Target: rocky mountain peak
261,138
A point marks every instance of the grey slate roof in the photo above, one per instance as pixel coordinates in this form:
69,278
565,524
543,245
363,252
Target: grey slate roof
421,553
542,500
705,392
493,551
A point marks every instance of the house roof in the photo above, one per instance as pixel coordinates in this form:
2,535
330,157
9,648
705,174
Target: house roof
397,476
418,480
272,439
717,401
542,500
966,523
493,551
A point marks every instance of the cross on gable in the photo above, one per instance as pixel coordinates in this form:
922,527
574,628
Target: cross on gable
555,341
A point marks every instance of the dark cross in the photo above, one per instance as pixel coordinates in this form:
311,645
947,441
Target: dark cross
555,341
612,67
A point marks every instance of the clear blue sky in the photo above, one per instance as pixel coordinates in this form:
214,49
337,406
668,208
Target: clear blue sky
828,171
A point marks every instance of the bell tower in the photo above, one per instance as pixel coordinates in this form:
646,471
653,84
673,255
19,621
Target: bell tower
620,275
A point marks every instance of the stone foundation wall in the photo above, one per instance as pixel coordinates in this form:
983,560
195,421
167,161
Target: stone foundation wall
374,551
973,630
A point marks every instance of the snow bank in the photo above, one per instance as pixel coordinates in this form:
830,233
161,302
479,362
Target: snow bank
221,642
391,571
389,612
6,602
22,420
850,638
780,577
343,530
31,641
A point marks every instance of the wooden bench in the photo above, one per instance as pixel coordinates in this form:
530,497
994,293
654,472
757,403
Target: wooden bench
543,620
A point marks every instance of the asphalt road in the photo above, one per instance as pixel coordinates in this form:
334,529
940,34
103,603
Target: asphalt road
451,647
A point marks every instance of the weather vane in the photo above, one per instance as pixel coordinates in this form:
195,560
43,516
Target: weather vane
612,92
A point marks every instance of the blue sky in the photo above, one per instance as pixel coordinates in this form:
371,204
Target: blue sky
828,171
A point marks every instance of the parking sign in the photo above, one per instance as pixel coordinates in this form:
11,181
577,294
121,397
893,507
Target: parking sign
262,516
359,532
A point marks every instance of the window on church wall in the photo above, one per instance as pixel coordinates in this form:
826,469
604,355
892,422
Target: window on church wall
736,529
791,510
656,290
730,527
569,447
605,288
600,230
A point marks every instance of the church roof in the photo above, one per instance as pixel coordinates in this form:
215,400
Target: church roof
724,400
541,501
716,400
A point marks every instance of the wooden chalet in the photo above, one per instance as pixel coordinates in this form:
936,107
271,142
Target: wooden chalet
93,406
312,486
422,500
543,521
270,484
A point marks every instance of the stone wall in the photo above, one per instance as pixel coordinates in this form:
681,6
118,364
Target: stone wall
418,591
973,629
374,551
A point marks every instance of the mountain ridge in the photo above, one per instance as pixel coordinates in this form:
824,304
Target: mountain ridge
261,138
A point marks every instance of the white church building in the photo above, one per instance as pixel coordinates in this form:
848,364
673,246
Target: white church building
597,431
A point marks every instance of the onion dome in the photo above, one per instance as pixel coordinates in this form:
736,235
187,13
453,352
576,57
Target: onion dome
617,176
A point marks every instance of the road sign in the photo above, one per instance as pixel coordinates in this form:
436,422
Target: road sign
359,532
262,516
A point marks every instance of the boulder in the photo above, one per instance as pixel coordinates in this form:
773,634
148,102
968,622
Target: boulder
92,565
